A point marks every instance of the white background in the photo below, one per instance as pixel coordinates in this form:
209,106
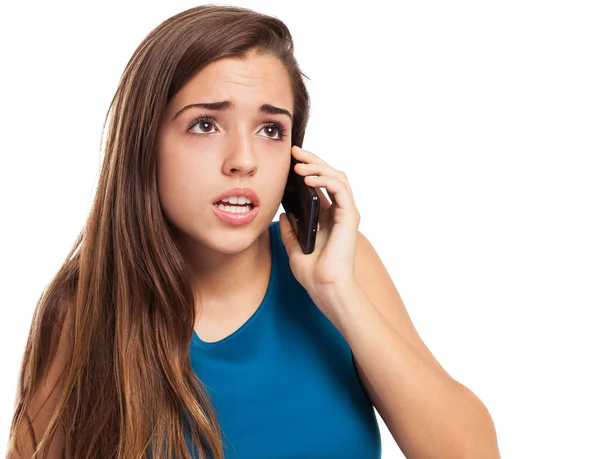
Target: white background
470,134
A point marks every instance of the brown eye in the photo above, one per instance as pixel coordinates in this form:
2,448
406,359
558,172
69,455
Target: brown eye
275,128
271,130
203,125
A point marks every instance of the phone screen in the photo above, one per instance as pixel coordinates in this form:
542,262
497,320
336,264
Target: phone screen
301,203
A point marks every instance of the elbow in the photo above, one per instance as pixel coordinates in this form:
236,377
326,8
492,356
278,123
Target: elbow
484,442
481,442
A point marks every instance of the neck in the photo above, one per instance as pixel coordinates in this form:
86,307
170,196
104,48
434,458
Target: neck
220,278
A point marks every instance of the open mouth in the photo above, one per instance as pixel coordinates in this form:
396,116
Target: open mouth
228,207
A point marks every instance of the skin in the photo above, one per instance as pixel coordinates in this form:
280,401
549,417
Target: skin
231,263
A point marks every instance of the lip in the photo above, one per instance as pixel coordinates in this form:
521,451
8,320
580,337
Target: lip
236,218
246,192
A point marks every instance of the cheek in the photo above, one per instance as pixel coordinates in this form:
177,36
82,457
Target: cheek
181,186
278,181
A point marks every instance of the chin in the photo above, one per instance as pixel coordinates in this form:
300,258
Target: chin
232,245
233,240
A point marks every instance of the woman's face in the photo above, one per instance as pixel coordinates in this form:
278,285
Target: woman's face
230,148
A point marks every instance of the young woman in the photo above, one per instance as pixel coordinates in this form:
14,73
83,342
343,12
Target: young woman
186,322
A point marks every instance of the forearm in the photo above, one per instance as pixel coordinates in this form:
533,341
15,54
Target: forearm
429,414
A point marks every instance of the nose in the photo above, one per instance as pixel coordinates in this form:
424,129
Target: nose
240,158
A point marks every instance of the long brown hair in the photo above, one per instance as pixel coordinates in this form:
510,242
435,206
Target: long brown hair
127,388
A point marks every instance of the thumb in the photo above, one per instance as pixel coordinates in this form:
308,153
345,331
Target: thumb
288,237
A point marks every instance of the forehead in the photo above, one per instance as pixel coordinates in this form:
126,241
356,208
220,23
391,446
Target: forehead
252,81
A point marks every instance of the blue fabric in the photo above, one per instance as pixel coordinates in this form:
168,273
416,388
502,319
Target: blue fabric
284,384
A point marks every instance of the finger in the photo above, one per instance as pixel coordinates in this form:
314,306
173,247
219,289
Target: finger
338,190
323,170
317,169
305,169
306,156
320,169
325,203
290,242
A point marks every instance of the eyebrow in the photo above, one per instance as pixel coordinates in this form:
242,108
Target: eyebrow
228,105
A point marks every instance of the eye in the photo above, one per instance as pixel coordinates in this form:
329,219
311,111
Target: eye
204,123
275,127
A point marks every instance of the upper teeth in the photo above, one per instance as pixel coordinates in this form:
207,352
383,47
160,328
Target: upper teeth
237,200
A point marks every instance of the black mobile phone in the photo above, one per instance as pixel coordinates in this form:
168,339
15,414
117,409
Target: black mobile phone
301,204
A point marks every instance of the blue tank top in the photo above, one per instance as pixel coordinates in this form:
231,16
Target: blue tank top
284,384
